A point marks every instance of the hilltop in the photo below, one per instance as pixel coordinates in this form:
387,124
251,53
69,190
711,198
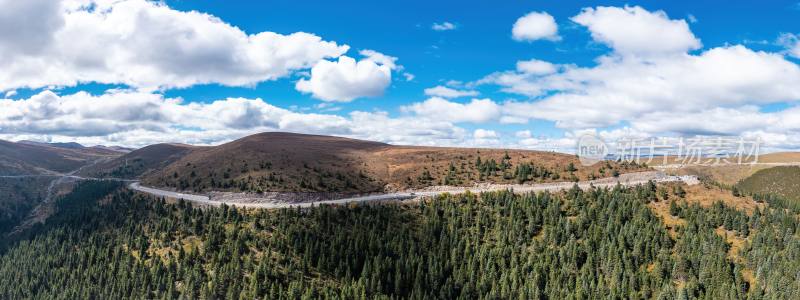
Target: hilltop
289,162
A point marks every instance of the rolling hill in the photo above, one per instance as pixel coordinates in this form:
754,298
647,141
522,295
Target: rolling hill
139,162
30,158
289,162
782,181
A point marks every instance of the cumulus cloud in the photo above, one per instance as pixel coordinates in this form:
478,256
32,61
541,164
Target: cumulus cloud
643,76
346,79
446,92
618,89
535,26
791,42
483,134
653,83
136,118
444,26
142,44
435,108
523,134
535,67
636,31
18,35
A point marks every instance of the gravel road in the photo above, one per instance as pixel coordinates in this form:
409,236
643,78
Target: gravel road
624,179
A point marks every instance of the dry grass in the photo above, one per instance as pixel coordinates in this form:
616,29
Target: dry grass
732,172
726,174
777,157
736,242
284,162
404,162
707,195
671,222
780,157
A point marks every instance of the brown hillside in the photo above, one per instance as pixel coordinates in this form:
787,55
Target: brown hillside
29,158
780,157
140,162
274,162
283,162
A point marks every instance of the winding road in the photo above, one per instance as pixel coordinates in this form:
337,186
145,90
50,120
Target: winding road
630,179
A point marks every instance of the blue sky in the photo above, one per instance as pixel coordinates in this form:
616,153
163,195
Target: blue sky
479,45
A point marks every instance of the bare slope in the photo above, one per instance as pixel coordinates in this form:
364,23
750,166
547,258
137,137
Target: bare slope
38,158
140,162
288,162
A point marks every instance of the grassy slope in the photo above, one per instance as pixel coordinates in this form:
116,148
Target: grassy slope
783,181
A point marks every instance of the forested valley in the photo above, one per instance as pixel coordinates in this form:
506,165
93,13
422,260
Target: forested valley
106,242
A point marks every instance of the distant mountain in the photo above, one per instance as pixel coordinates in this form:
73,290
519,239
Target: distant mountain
139,162
71,145
19,195
114,148
289,162
41,158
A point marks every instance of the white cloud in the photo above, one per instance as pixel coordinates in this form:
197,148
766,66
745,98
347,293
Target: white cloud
379,58
143,44
484,134
621,89
134,118
523,134
454,83
444,26
346,79
791,42
626,83
446,92
636,31
11,93
513,120
476,111
19,35
535,26
535,67
653,84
